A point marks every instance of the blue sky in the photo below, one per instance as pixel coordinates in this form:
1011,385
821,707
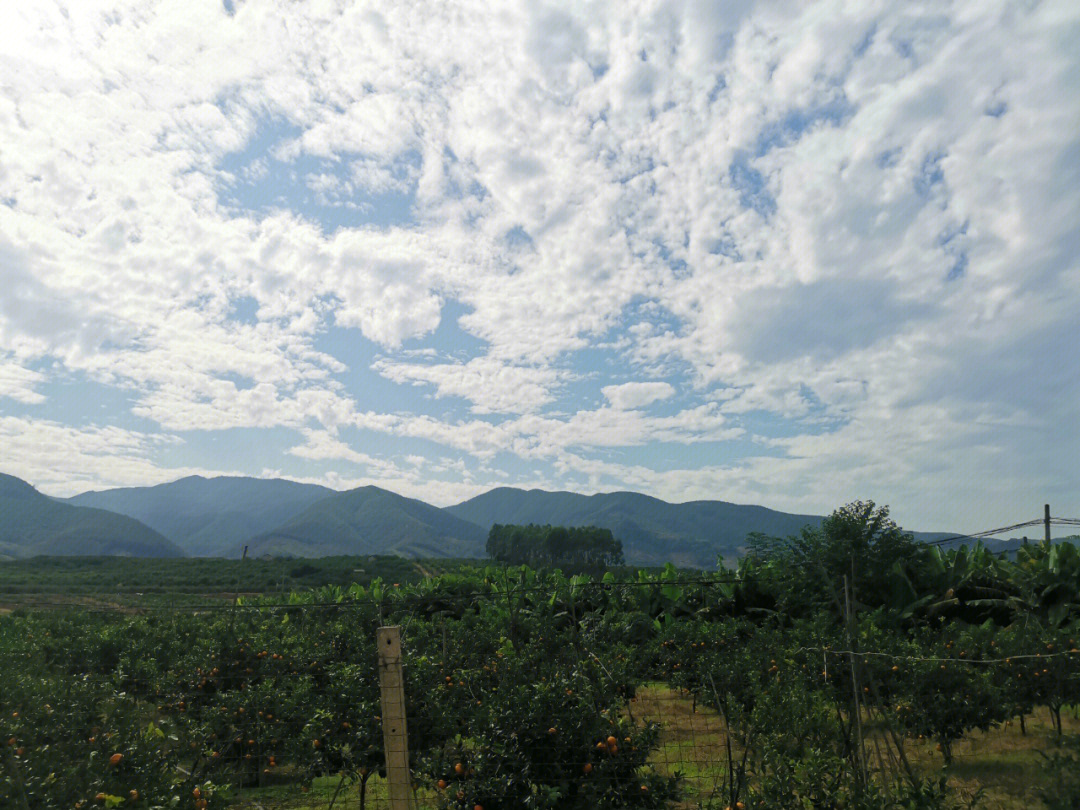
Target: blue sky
756,251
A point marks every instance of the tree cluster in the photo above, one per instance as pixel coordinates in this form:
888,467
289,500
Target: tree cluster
574,549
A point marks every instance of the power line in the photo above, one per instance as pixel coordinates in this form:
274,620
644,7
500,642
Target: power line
985,533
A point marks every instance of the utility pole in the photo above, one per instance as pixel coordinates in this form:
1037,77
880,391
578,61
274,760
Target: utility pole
1046,524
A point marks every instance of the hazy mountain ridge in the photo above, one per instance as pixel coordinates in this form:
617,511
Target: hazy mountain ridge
218,516
210,516
370,520
652,531
33,524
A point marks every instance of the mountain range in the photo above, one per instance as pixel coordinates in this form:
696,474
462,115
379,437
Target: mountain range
32,523
199,516
210,517
652,531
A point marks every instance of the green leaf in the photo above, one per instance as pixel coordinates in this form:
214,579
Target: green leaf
153,732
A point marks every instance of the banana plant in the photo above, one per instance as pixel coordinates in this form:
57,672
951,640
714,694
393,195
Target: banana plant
1049,578
971,581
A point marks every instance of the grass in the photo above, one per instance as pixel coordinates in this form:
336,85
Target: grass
691,740
1003,765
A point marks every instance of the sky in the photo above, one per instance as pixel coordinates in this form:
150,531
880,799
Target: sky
782,253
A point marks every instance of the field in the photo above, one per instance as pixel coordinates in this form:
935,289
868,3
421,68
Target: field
130,582
884,675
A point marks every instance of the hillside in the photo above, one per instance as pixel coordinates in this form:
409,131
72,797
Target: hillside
370,520
209,517
652,531
33,524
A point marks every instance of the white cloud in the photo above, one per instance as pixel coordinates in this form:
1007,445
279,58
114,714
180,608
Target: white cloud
490,385
627,396
65,460
754,197
20,383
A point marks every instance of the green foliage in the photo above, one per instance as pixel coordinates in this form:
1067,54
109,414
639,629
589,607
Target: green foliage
577,549
806,573
520,683
1064,768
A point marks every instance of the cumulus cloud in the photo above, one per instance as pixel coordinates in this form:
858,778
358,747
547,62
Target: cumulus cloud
19,383
65,460
822,224
490,385
636,394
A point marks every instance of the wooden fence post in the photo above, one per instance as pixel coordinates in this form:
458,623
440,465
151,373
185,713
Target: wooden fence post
395,737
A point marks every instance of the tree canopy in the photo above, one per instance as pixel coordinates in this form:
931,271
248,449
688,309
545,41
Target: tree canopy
577,548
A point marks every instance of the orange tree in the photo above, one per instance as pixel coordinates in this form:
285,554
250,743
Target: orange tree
537,720
268,695
946,684
1040,667
79,740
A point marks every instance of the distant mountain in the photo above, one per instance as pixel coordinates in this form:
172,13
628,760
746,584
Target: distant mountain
652,531
32,523
209,517
370,520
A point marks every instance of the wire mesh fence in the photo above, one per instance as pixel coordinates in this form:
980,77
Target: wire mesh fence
572,694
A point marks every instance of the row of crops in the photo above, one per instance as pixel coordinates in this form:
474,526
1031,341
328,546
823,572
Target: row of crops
820,662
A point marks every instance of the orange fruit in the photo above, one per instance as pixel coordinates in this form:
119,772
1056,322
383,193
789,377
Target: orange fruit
587,767
611,741
196,793
116,759
551,730
133,795
441,784
459,769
